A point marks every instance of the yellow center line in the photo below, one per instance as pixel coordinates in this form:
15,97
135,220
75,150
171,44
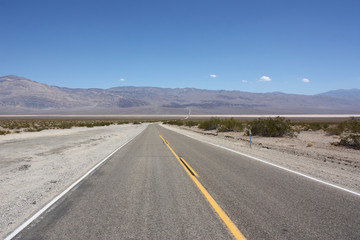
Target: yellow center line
223,216
189,167
176,156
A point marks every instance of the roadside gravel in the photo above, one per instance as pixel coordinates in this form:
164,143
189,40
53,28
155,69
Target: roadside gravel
36,167
310,153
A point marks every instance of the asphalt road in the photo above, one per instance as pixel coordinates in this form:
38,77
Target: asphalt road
144,192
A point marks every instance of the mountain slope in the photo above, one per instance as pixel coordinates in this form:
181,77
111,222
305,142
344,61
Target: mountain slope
349,95
23,96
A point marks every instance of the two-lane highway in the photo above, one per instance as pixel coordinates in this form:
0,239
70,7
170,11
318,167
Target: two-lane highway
144,192
140,193
266,202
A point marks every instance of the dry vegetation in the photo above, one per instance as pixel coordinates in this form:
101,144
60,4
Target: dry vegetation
8,126
348,131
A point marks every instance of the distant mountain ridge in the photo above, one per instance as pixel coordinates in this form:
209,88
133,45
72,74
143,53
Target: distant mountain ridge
23,96
350,94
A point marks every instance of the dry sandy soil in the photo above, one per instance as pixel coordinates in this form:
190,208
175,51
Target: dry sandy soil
310,153
36,167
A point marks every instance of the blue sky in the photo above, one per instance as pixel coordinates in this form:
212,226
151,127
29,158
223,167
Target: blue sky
303,47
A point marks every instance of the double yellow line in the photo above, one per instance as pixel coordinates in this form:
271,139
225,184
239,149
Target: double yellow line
193,175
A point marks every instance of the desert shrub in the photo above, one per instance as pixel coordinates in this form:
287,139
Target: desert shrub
334,131
14,124
230,125
101,123
31,130
2,132
39,125
211,124
315,126
341,126
271,127
191,123
301,126
174,122
65,125
353,125
122,122
351,141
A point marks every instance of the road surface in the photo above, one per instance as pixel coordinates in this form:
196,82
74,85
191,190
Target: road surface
145,192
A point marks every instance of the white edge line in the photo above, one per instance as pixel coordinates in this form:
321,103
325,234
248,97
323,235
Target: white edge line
52,202
273,164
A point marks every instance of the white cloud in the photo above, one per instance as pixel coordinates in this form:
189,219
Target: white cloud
244,81
213,75
265,79
305,80
121,79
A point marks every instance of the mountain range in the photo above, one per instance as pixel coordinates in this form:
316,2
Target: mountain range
19,95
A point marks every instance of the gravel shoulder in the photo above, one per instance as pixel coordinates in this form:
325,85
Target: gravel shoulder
310,153
36,167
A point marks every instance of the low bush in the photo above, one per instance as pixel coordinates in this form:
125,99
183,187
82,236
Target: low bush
353,125
191,123
351,141
230,125
2,132
32,130
65,125
271,127
122,122
350,126
174,122
31,125
315,126
211,124
334,131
